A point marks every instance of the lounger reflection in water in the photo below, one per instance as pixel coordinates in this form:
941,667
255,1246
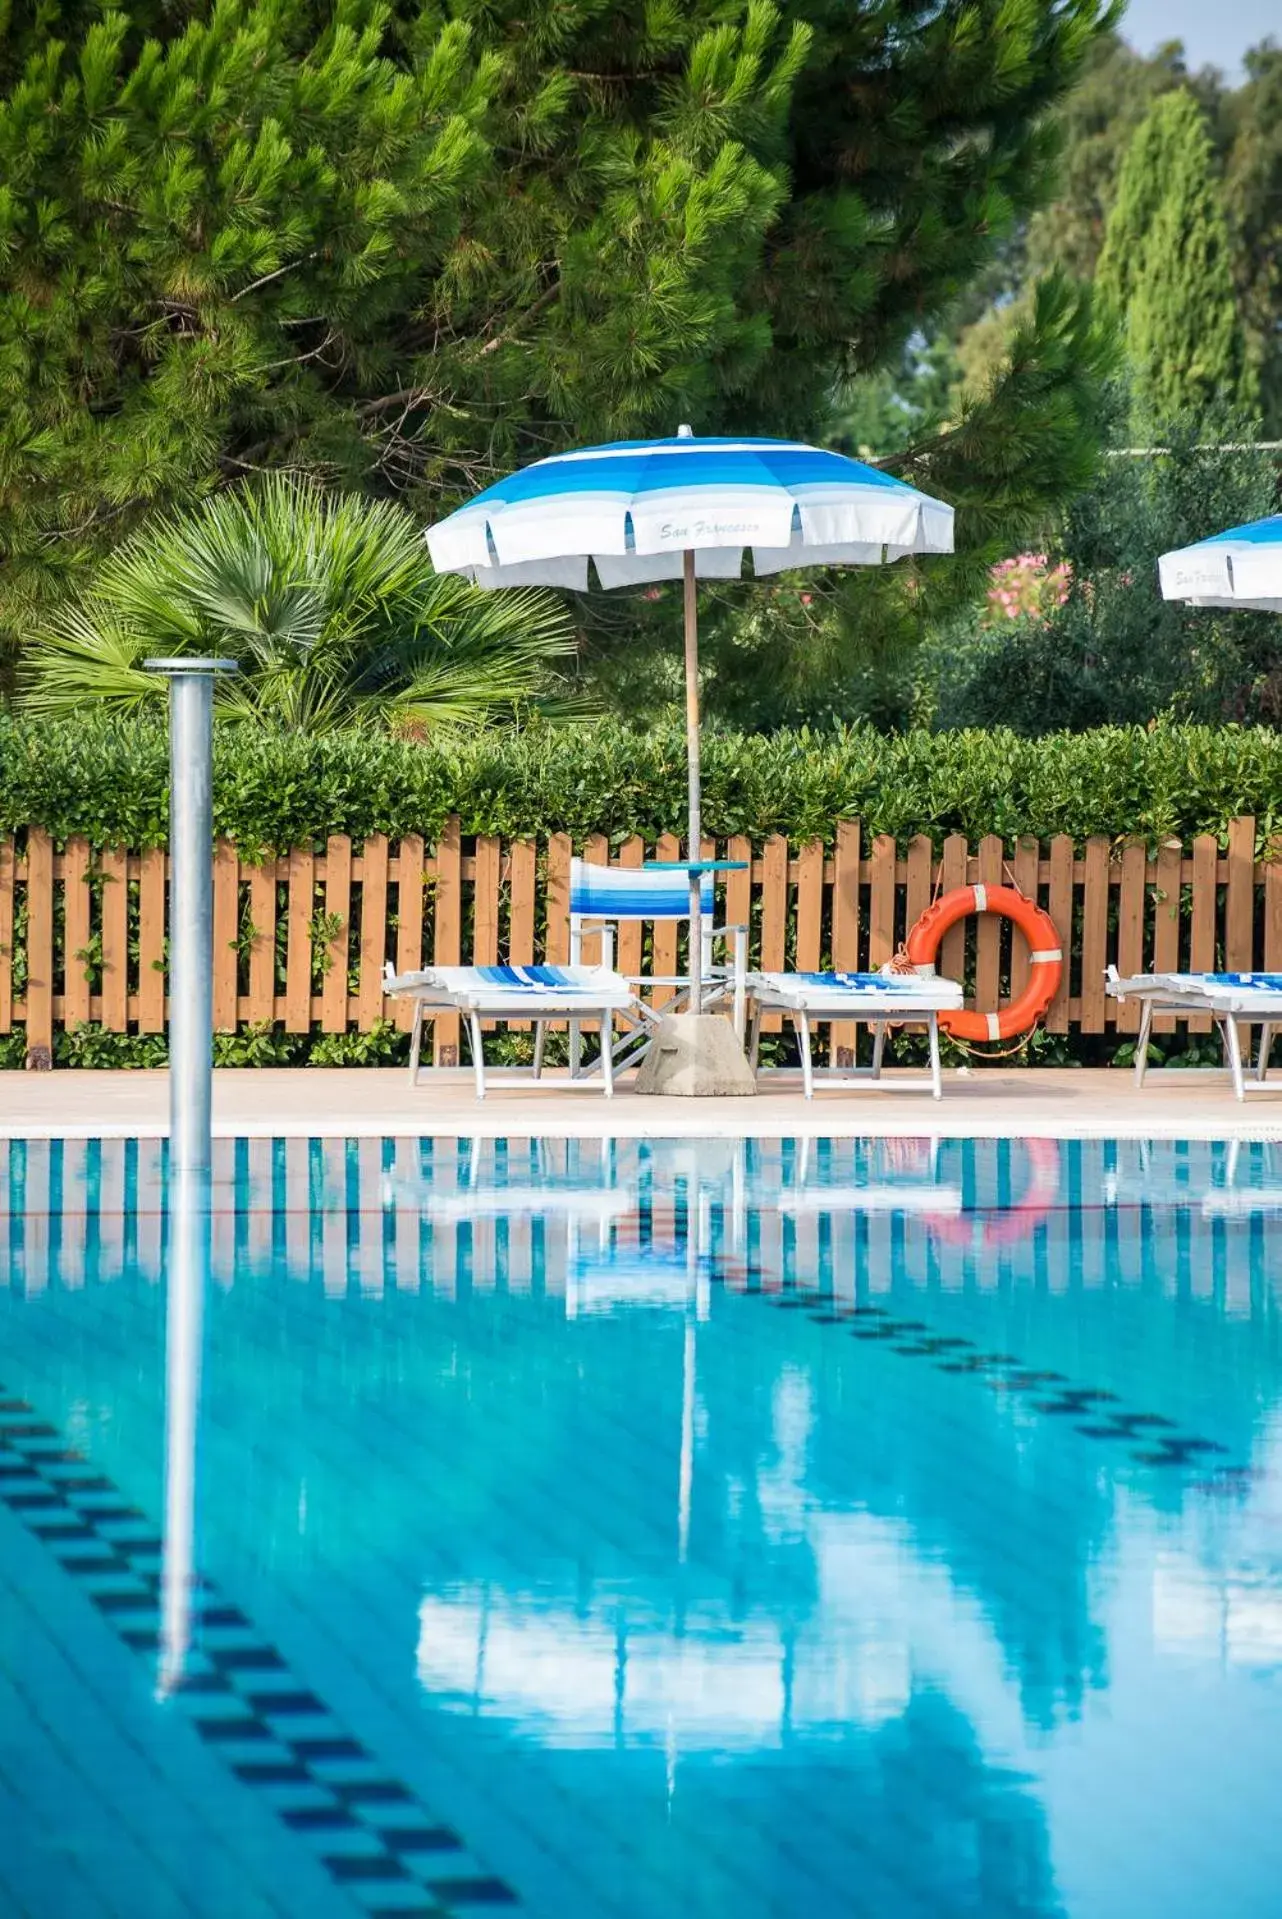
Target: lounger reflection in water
1229,999
880,1000
588,1205
914,1197
903,1177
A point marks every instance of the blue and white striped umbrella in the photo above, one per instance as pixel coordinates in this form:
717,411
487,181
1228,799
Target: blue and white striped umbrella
685,508
635,508
1242,567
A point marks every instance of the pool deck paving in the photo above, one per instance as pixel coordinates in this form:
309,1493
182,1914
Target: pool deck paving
368,1102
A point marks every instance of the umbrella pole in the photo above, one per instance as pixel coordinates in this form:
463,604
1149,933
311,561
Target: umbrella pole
695,841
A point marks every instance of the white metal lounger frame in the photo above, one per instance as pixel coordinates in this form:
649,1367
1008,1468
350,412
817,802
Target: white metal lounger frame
596,994
604,897
1227,1002
877,1000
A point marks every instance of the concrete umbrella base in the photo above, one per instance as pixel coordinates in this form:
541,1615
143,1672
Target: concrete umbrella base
695,1056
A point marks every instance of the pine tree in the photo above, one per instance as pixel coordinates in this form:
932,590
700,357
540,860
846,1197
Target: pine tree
202,235
1165,268
406,247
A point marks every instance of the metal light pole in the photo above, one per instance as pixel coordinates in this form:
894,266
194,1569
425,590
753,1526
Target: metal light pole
191,1051
191,907
690,600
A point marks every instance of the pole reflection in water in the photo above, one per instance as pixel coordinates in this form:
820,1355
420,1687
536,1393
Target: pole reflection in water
189,1258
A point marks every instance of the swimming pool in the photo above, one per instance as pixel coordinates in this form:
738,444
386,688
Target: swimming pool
887,1529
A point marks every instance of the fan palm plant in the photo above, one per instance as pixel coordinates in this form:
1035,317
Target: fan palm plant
330,607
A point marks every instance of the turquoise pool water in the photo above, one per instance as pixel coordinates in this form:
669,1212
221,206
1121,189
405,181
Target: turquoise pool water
887,1530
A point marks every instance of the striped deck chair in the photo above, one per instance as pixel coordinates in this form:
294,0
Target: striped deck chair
1229,999
602,898
874,999
534,993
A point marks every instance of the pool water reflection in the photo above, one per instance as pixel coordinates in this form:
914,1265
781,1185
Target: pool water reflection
867,1528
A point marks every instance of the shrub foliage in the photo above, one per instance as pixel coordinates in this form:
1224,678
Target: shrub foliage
108,781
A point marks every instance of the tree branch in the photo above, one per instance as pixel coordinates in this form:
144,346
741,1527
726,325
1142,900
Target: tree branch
267,278
888,462
544,299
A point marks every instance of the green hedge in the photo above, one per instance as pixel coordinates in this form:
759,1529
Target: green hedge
108,781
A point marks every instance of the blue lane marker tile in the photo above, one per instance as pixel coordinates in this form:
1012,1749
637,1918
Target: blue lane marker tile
369,1832
1048,1393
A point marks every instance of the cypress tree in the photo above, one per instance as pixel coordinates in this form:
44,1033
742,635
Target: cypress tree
1253,199
1166,271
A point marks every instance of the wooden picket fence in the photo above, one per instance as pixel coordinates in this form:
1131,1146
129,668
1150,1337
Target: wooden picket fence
301,940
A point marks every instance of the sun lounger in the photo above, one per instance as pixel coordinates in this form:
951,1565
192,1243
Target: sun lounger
1229,999
879,1000
534,993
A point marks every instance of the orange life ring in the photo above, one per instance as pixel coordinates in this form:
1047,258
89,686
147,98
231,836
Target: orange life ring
1046,960
1011,1223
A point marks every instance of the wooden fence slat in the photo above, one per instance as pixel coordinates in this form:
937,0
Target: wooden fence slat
596,851
1205,904
298,940
1024,871
1239,897
409,919
810,902
1272,906
556,938
75,933
1059,904
708,851
1166,920
374,929
881,902
1131,896
739,890
523,860
628,956
115,940
1239,905
6,935
843,1034
447,934
1094,934
151,941
262,949
338,914
39,942
917,880
523,881
774,915
952,872
774,904
226,935
666,932
488,871
845,907
988,928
